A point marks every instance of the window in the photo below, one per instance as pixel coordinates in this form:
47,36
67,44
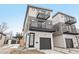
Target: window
41,24
33,9
62,16
31,39
13,42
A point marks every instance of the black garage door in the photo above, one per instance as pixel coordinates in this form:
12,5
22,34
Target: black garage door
69,43
45,43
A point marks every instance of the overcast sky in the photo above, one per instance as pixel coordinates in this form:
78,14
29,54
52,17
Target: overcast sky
14,15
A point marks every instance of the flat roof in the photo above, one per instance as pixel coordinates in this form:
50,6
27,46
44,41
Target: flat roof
39,7
62,14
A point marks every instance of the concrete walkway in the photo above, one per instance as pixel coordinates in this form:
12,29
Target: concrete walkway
67,51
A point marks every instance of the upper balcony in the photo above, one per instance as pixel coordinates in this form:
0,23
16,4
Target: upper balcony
70,20
36,25
43,16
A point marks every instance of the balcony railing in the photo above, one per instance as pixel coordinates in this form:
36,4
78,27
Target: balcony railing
41,29
46,26
43,16
70,21
64,28
69,29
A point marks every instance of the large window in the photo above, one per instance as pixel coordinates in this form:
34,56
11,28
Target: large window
41,25
31,39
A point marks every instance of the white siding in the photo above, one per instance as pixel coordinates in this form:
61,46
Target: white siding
59,41
58,18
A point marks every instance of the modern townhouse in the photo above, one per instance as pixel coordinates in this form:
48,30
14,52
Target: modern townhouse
66,34
38,28
10,39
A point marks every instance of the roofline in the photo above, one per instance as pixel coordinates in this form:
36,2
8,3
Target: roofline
28,10
40,7
62,14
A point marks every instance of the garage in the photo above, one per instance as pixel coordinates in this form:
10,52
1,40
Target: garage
69,43
45,43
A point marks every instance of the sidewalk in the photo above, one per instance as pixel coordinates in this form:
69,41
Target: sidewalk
5,50
67,51
51,52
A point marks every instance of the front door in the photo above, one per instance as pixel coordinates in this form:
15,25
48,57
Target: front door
31,39
69,43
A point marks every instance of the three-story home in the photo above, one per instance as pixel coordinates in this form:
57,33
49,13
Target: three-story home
38,28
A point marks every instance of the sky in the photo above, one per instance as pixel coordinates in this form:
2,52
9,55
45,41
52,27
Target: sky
14,14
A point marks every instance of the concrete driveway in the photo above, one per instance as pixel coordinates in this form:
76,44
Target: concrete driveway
51,52
67,51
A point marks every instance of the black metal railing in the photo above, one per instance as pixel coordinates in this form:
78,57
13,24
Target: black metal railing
42,26
43,16
70,21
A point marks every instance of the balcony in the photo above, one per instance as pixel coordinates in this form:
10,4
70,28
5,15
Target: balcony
70,21
43,16
65,28
71,29
46,26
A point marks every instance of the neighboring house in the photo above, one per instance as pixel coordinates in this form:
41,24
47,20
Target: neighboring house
66,33
10,39
38,28
2,38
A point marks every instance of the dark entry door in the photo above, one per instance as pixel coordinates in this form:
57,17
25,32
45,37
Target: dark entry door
69,43
45,43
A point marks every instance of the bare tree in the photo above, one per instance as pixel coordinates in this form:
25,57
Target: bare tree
3,27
